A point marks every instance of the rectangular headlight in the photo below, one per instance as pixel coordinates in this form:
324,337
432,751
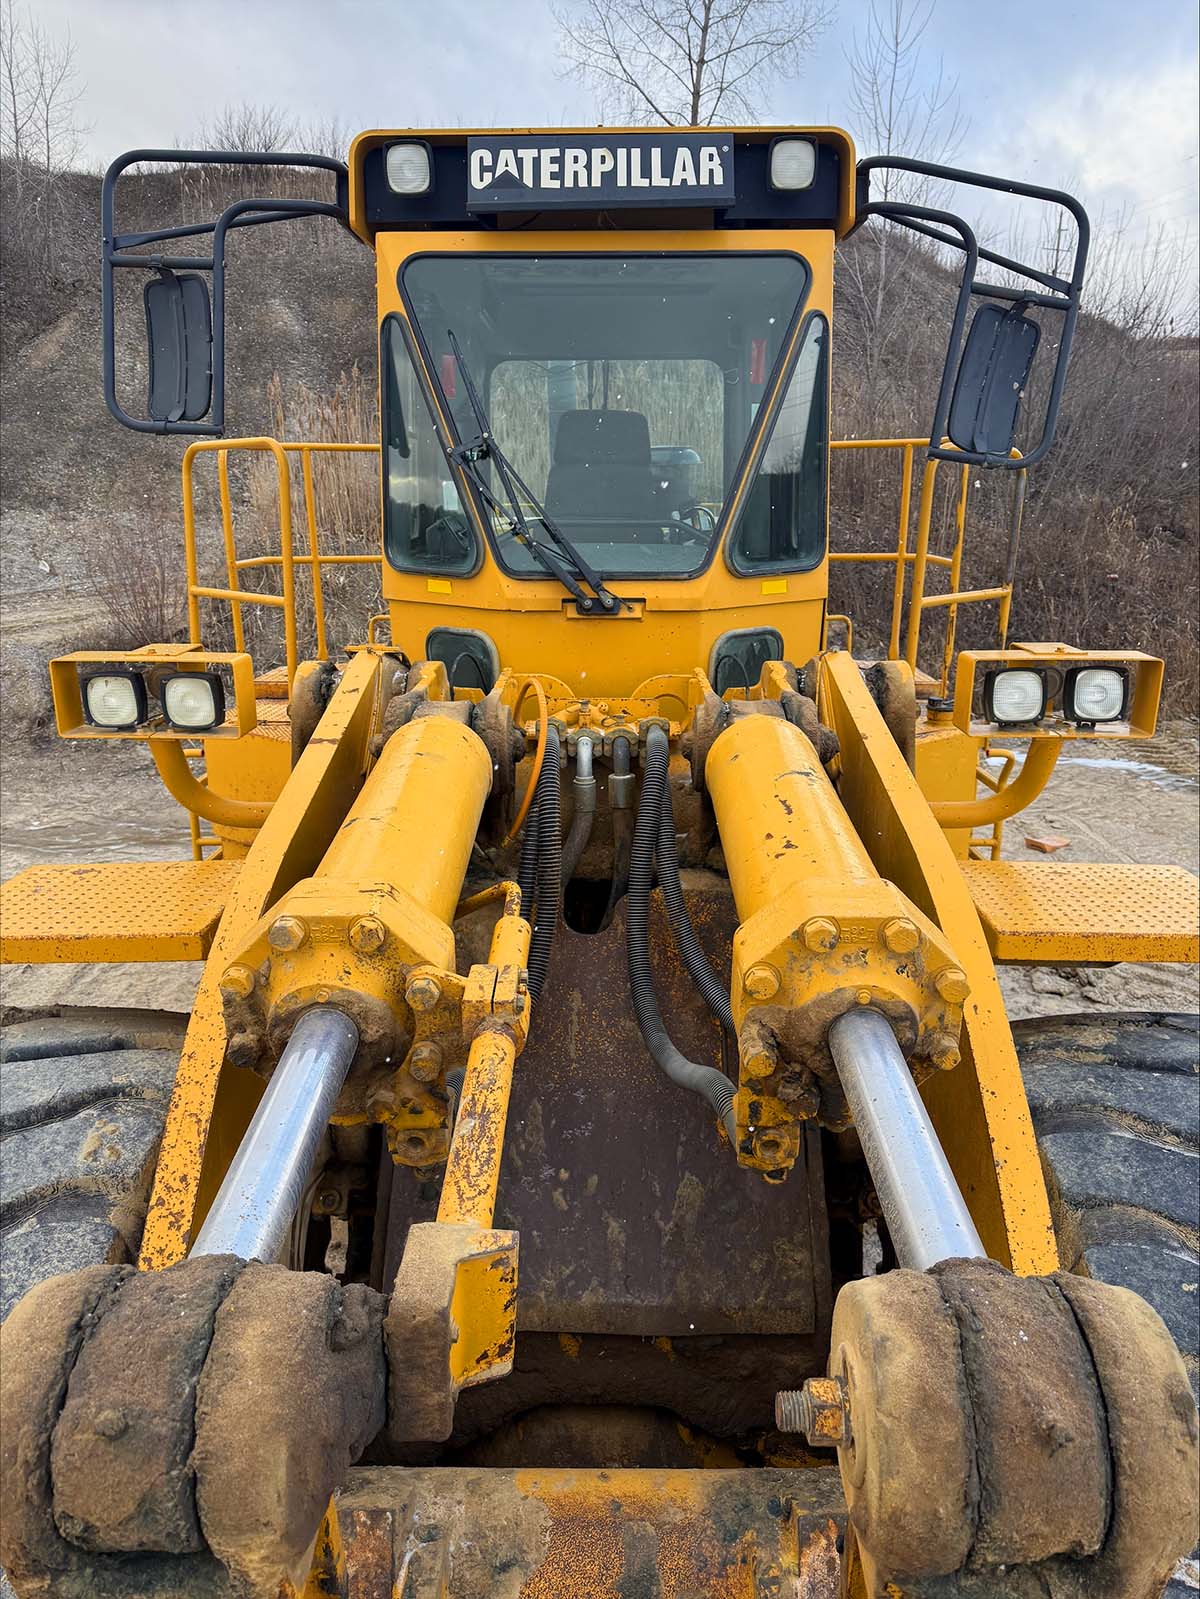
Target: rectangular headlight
114,699
793,163
192,701
409,169
1096,694
1013,696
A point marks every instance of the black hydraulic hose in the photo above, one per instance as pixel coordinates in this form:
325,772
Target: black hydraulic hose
527,865
694,958
549,866
707,1081
619,801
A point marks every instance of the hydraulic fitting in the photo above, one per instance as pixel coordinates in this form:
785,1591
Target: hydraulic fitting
821,934
369,933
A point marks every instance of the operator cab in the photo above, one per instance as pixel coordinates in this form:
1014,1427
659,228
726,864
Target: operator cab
625,390
604,381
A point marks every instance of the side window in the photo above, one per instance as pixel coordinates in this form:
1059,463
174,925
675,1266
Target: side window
782,523
425,528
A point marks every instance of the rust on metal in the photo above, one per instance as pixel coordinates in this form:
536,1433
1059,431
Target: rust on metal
597,1534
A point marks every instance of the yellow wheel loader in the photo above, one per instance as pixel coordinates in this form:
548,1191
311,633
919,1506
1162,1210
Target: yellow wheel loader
598,1163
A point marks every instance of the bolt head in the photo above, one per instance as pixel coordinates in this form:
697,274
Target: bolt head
425,1062
762,982
820,934
367,935
943,1051
423,993
238,982
820,1410
286,933
952,985
863,997
900,936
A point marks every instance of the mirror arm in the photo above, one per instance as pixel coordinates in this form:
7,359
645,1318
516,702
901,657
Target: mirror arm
1064,296
914,217
116,248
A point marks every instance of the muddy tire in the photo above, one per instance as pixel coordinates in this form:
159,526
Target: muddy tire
1116,1107
83,1098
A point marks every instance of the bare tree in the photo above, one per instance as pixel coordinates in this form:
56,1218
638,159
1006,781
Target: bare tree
687,62
39,93
40,137
900,106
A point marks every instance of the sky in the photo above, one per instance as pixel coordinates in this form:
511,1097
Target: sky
1099,96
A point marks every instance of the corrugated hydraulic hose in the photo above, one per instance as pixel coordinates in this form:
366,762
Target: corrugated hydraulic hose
688,944
549,866
707,1081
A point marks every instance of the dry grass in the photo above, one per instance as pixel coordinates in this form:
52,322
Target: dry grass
346,507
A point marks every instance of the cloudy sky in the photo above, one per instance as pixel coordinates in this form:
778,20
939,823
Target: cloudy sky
1099,95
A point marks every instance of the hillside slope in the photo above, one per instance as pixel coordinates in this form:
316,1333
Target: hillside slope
1109,555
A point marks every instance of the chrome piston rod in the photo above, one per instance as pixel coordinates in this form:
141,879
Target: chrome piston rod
923,1205
265,1182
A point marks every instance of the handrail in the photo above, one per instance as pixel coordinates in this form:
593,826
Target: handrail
921,558
288,558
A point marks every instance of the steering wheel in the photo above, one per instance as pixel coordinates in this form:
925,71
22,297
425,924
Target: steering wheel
706,522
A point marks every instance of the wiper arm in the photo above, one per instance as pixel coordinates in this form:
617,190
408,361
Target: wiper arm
564,561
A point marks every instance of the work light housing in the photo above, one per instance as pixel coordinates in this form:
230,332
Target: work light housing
1015,696
1094,694
192,702
114,699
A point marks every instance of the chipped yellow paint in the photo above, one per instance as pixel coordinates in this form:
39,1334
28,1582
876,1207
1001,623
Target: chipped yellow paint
118,911
979,1109
204,1126
1074,911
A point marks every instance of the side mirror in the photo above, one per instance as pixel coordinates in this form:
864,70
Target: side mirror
179,336
991,380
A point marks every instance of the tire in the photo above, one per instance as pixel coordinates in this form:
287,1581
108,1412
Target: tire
83,1099
1116,1106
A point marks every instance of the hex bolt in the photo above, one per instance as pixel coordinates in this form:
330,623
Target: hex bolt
238,982
367,935
900,936
423,993
863,997
820,934
761,982
286,933
425,1062
820,1410
952,985
943,1051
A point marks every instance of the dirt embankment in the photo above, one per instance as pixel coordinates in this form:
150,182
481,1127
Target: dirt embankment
1115,802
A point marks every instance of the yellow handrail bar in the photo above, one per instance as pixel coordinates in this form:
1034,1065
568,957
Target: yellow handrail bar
921,558
288,558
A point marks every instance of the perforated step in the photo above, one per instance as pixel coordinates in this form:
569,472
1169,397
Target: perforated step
123,911
1053,913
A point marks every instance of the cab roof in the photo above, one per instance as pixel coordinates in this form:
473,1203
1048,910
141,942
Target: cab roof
571,178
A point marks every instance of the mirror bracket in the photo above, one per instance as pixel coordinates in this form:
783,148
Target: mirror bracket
974,409
185,328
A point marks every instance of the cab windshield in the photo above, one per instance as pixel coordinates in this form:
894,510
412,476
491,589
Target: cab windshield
624,389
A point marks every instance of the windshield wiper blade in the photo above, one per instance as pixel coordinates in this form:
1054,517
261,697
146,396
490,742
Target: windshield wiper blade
564,561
